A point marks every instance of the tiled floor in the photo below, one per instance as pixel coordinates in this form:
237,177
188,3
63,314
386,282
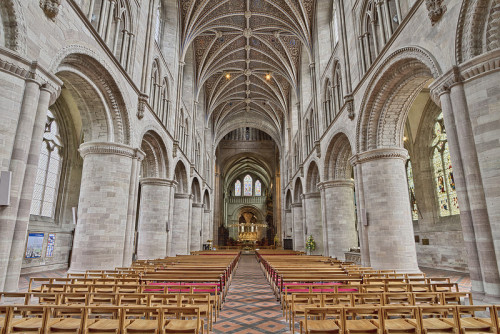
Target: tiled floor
24,280
462,279
250,305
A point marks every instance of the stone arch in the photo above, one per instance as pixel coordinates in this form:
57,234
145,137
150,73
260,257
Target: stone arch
196,190
155,163
337,157
181,177
13,28
478,29
99,100
298,191
313,178
247,208
389,96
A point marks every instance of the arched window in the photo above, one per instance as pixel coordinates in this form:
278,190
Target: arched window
258,188
154,96
158,24
328,102
443,172
338,96
237,188
111,20
165,103
49,170
411,191
335,25
247,186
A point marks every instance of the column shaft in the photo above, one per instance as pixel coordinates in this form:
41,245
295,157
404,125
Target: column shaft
390,227
340,215
153,218
19,158
298,227
103,206
314,221
180,232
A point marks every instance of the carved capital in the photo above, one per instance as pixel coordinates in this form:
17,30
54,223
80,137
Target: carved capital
335,184
50,8
380,153
110,148
153,181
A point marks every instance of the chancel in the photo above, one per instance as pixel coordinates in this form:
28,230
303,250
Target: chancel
163,160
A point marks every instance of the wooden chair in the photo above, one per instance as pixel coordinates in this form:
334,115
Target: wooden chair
400,319
426,298
31,320
143,320
325,320
362,320
185,320
71,320
104,320
470,323
299,303
369,299
202,301
4,316
438,319
337,299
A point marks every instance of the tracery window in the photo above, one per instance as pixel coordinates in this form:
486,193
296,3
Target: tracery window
247,186
443,171
237,188
49,170
258,188
411,191
111,20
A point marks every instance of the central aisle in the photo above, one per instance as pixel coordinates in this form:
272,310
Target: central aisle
250,306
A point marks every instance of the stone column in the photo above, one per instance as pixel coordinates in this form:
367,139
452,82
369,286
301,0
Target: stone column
153,218
19,158
288,223
466,220
128,248
180,224
196,226
475,190
26,194
363,237
389,224
100,232
314,221
298,229
340,216
207,227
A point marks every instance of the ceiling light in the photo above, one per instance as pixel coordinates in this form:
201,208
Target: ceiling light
228,76
268,76
405,138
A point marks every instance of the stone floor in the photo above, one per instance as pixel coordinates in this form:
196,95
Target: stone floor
250,305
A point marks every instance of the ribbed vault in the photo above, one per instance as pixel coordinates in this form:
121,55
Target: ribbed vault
247,55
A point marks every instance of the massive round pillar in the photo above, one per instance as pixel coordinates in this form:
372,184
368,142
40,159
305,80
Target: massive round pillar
389,226
298,229
180,225
153,218
100,234
314,222
340,216
196,226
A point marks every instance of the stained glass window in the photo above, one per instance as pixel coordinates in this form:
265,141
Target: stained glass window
237,188
49,170
411,190
258,188
443,172
247,183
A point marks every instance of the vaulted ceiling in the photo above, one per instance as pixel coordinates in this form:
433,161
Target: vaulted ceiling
247,55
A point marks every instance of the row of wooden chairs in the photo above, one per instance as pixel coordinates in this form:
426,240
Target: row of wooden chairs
296,303
100,319
204,301
407,319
